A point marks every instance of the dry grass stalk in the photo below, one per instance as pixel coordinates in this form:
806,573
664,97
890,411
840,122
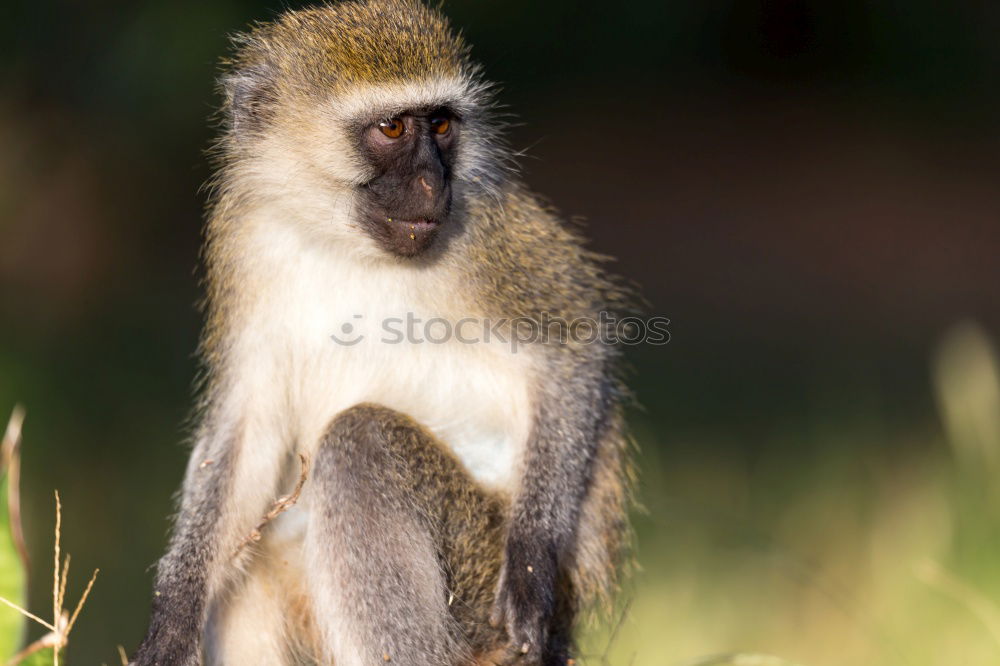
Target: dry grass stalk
46,641
56,598
10,455
62,622
27,614
281,505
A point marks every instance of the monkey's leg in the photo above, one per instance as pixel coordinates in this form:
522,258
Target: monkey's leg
248,626
404,545
228,487
259,620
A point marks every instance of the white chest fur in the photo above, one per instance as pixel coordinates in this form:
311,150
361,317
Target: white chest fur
327,331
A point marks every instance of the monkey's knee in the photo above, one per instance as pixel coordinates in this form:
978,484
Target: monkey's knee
367,443
367,420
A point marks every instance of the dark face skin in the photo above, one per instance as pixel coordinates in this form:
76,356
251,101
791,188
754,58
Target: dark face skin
409,197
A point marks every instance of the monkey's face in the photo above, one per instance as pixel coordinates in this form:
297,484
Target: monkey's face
381,169
362,123
408,198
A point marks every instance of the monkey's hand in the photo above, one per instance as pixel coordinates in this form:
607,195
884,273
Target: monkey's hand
525,597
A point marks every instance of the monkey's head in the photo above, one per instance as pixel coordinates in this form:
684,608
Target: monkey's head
359,119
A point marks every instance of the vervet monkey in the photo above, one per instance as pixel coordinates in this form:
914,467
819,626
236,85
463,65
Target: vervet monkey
463,502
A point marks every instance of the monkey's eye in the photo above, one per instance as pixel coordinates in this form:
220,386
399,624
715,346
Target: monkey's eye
393,128
440,125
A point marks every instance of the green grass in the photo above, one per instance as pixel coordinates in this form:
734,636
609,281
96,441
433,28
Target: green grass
871,552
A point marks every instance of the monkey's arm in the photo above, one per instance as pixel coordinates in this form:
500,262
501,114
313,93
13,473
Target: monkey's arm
227,489
572,411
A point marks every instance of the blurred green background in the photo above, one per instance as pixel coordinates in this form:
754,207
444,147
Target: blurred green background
808,189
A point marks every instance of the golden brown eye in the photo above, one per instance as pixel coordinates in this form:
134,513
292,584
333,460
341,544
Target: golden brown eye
392,128
440,125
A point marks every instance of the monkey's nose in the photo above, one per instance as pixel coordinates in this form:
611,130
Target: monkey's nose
427,186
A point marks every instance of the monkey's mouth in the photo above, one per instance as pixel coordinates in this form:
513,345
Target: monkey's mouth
418,225
407,236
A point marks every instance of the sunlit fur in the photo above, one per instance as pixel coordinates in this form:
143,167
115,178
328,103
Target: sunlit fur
288,266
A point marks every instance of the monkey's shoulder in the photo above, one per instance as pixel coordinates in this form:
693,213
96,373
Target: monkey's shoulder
526,260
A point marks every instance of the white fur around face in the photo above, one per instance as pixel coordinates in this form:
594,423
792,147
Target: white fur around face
385,101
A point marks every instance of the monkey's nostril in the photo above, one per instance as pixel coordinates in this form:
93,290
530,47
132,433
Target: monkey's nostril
427,187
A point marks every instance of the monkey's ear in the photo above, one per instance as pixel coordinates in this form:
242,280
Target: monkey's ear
249,97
